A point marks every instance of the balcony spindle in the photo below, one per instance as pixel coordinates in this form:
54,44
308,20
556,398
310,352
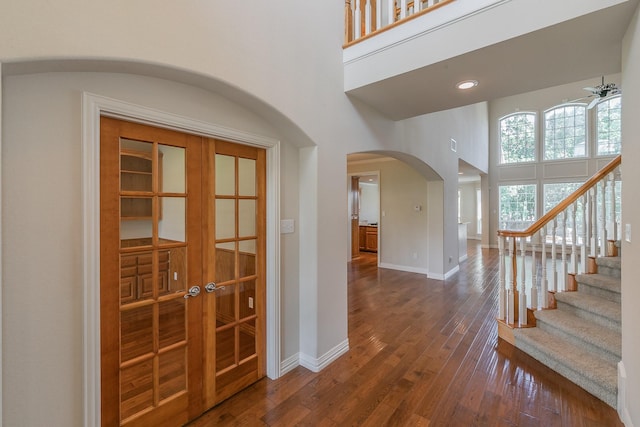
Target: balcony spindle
367,17
391,11
403,9
378,14
357,20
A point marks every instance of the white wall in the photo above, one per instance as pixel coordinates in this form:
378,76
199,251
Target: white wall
630,410
468,207
428,138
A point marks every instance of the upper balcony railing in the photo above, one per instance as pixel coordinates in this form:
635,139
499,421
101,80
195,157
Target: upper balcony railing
364,18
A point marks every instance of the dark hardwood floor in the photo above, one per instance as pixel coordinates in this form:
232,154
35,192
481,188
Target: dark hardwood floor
422,352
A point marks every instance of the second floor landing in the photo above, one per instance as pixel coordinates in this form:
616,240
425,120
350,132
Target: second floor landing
508,46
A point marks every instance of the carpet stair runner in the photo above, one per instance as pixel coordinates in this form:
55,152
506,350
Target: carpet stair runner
581,339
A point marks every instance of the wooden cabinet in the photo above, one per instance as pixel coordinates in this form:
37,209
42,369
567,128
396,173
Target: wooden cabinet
136,179
368,238
136,274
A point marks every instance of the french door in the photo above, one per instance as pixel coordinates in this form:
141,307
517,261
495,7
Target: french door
182,272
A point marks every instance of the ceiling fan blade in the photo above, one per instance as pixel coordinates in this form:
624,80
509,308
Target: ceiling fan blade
591,89
593,103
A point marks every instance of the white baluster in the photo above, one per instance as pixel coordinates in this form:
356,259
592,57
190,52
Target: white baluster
403,9
613,232
593,215
543,280
602,234
501,287
574,244
563,265
391,11
367,17
534,277
583,236
522,295
512,284
554,266
417,6
357,21
379,14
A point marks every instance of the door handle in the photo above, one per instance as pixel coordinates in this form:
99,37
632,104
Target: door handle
194,291
211,287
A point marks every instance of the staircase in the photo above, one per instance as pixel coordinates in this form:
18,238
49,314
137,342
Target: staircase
581,339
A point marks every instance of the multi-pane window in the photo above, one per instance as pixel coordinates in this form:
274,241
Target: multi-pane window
557,192
608,126
565,132
517,206
518,138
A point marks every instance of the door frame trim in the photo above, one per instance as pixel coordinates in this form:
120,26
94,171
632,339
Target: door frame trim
93,106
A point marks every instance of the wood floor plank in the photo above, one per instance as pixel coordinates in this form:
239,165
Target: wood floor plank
422,352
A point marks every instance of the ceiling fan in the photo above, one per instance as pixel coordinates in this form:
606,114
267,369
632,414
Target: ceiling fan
600,92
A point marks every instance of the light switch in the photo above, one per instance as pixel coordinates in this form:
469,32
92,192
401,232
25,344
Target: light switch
627,232
286,226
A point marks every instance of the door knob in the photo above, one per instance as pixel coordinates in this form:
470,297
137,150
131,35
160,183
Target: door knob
211,287
194,291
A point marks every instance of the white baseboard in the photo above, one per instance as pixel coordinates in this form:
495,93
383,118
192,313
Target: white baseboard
463,258
623,410
451,272
404,268
318,364
289,364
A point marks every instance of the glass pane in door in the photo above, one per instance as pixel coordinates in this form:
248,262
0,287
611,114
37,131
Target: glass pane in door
246,177
225,175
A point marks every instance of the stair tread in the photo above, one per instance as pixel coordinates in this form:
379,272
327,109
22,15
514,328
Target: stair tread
571,361
592,333
612,284
609,261
593,304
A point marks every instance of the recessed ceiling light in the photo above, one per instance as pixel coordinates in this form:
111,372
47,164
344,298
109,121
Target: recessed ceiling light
467,84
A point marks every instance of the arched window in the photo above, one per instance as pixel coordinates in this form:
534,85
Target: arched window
608,125
565,132
518,138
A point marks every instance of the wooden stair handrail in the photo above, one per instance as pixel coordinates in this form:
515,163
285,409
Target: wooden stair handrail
546,218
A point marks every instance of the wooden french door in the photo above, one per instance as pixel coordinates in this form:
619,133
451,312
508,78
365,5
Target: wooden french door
182,247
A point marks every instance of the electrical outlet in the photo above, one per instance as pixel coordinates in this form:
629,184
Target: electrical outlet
250,302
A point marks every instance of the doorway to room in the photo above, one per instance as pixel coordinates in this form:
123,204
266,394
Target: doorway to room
364,212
